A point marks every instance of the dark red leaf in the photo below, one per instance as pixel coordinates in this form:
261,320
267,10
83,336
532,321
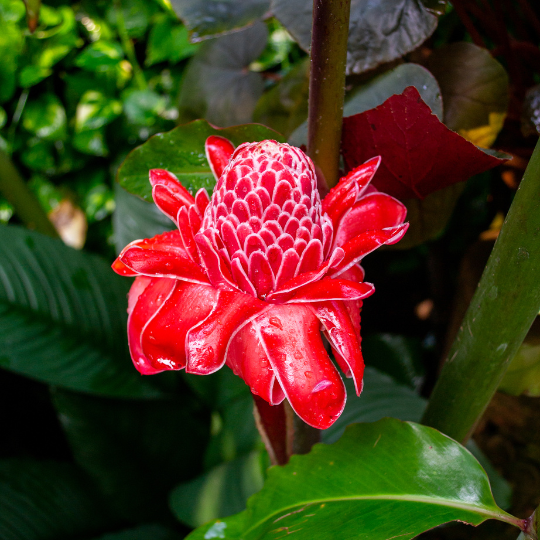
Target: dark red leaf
419,153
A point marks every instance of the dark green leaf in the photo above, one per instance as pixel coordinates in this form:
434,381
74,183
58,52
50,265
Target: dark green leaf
91,142
168,41
207,19
285,106
134,218
38,155
3,117
379,32
380,480
99,55
474,88
181,151
136,16
379,89
143,106
45,117
135,450
220,492
44,500
143,532
217,85
11,43
96,110
63,317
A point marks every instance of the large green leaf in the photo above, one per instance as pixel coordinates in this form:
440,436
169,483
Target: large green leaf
48,500
218,84
382,480
207,19
63,317
379,89
181,151
474,88
143,532
135,450
45,117
379,31
221,492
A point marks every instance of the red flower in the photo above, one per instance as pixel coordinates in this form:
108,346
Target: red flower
252,276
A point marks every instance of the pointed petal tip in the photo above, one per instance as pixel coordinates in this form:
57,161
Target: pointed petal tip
218,152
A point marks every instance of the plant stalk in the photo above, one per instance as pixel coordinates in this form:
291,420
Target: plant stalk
501,312
25,203
330,31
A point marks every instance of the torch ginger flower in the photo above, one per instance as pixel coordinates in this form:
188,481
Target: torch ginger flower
254,274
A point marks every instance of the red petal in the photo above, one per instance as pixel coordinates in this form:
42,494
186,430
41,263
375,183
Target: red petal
343,337
162,256
371,212
146,306
215,266
164,337
248,359
367,242
340,199
186,233
218,152
332,289
260,273
290,335
207,342
168,193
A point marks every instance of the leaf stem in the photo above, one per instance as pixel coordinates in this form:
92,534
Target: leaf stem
25,203
330,31
501,312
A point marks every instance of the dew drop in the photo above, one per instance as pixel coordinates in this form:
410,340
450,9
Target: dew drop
274,321
308,374
298,355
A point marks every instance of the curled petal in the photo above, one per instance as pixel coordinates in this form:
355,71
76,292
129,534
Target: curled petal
371,212
168,193
144,304
332,289
342,334
163,339
366,242
207,343
218,152
216,268
292,340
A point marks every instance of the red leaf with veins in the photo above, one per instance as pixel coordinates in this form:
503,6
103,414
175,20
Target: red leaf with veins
419,153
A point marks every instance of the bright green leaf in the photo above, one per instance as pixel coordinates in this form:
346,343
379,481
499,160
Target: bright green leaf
379,32
96,110
207,19
45,117
383,480
181,151
3,117
220,492
63,317
99,56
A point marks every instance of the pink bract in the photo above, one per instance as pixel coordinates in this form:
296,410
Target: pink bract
254,275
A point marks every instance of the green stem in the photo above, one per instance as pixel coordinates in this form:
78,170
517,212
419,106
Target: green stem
127,45
501,312
327,84
25,203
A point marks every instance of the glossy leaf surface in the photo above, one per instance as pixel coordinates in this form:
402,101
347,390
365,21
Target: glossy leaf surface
181,152
207,19
410,477
218,84
378,31
63,317
417,150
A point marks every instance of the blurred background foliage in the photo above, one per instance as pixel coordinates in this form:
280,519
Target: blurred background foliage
92,450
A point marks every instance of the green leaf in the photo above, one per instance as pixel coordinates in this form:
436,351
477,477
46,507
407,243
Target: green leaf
207,19
44,500
96,110
99,56
380,480
136,16
45,117
38,155
143,532
474,87
11,44
168,41
379,89
181,151
218,85
221,492
63,317
134,218
91,142
135,450
143,106
379,32
285,106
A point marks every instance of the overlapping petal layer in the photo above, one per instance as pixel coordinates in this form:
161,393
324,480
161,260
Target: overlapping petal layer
254,276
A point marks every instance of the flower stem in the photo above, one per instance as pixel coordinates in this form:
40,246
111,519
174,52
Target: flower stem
501,312
327,84
25,203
